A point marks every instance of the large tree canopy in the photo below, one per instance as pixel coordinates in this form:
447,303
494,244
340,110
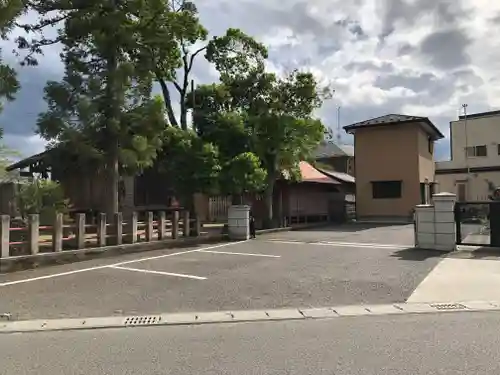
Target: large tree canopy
263,114
9,10
103,110
247,128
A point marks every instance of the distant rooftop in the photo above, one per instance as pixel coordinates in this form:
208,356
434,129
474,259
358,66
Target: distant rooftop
330,149
397,119
481,114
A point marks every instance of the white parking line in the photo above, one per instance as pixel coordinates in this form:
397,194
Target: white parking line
347,244
51,276
158,272
247,254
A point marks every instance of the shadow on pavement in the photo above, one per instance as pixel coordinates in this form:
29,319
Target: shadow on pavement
419,255
484,252
353,227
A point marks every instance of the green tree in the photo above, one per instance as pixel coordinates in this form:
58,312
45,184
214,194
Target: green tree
44,197
9,10
169,40
275,115
100,114
191,164
97,35
7,156
241,175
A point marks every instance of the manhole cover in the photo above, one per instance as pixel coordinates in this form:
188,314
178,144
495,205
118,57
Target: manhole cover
449,306
142,320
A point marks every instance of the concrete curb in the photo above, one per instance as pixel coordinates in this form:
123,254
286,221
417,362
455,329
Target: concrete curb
177,319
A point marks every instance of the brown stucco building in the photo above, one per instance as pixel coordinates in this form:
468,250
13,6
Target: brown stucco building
394,158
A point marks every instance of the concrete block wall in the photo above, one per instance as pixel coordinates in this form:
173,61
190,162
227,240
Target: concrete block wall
239,222
435,224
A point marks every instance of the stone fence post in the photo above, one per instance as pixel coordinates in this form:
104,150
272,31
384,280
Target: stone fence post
34,233
435,224
5,236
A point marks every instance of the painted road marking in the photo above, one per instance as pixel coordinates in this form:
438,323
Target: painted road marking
247,254
346,244
158,272
22,281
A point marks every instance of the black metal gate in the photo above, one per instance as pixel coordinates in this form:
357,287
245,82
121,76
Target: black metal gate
478,223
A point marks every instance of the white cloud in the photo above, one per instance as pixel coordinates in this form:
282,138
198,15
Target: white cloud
422,57
25,145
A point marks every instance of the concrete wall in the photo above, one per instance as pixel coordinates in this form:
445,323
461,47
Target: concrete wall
478,185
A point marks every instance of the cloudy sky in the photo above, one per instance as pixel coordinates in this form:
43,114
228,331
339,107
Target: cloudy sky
416,57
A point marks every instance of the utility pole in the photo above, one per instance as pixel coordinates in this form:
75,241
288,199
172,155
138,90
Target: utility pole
338,126
464,106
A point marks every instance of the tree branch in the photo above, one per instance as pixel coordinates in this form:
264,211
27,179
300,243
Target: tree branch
177,86
43,23
191,60
167,99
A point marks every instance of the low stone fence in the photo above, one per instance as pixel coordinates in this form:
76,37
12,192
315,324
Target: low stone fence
33,238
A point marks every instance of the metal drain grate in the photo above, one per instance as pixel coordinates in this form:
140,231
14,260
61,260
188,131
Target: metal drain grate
142,320
449,306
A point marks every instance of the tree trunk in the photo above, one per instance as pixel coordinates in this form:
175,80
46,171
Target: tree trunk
168,101
268,201
183,113
113,181
112,113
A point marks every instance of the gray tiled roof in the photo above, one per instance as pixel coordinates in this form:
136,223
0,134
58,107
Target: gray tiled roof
389,119
343,177
329,149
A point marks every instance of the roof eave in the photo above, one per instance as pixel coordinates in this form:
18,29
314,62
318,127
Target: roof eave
350,129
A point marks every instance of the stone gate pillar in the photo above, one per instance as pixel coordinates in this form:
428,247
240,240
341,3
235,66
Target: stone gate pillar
435,223
239,222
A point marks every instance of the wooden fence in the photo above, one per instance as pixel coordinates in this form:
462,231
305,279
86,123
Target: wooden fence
34,238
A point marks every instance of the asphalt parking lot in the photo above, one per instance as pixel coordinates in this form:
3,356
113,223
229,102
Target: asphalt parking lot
324,267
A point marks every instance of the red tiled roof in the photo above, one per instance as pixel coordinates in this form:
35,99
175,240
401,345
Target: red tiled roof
311,174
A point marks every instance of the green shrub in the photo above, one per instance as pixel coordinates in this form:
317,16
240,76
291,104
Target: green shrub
43,197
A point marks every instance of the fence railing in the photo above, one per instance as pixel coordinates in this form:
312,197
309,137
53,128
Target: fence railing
32,238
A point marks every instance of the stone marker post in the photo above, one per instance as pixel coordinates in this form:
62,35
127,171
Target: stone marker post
175,225
101,230
80,231
239,222
5,236
57,233
34,233
118,228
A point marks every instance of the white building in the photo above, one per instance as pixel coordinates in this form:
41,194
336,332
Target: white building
474,169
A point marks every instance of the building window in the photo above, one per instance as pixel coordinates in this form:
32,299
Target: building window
386,189
430,145
498,149
477,151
